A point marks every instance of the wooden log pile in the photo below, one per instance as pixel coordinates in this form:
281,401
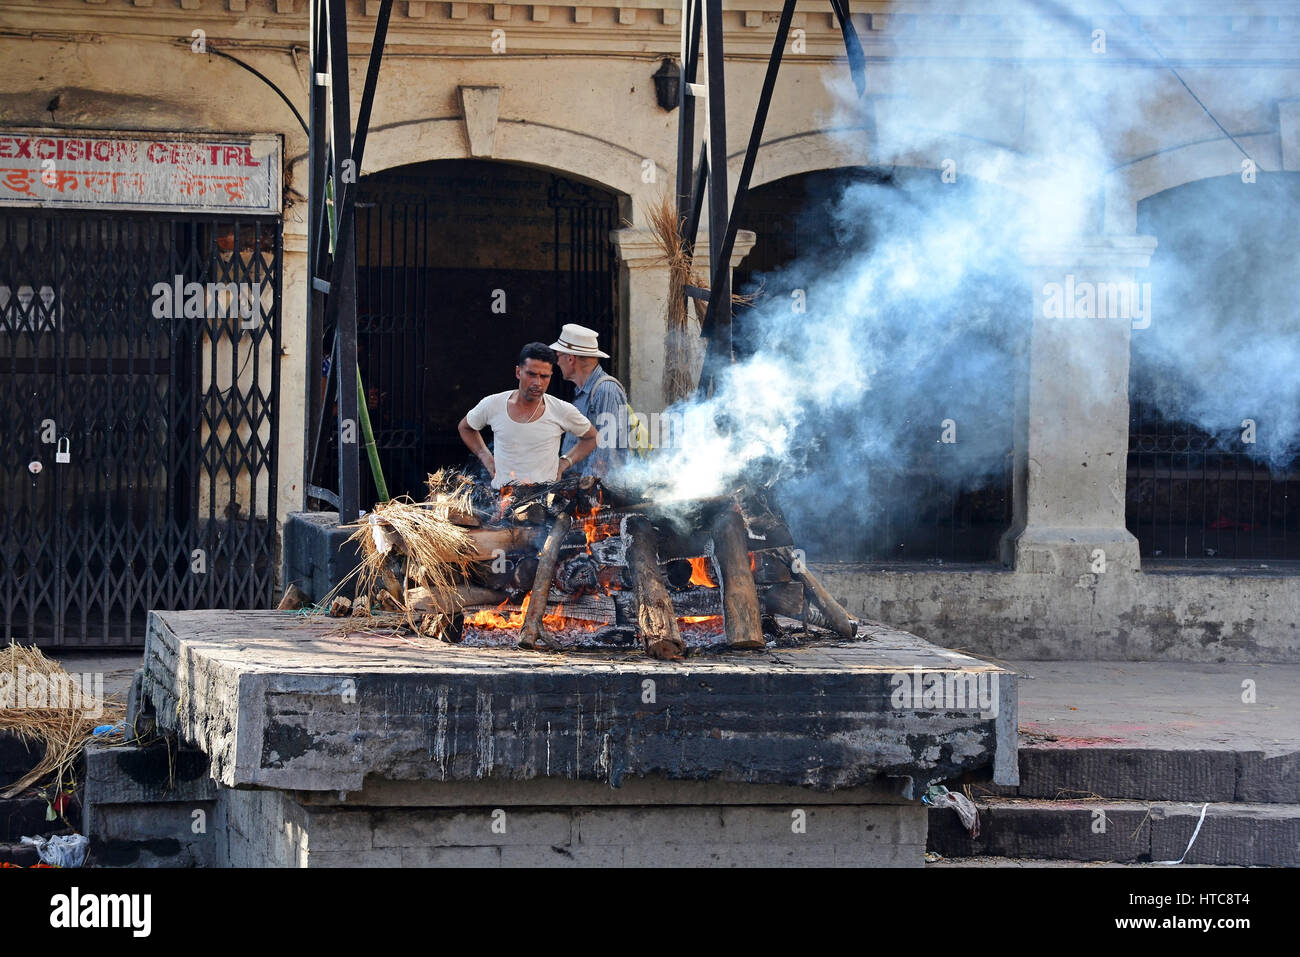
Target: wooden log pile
613,569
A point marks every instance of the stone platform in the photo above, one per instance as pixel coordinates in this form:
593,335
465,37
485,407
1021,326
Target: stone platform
332,745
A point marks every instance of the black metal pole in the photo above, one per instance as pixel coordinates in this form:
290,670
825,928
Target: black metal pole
755,137
316,160
718,331
686,112
342,297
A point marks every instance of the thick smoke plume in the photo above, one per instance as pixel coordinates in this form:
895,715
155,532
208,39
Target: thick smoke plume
892,347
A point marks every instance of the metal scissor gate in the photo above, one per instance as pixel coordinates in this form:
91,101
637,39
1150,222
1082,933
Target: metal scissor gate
137,445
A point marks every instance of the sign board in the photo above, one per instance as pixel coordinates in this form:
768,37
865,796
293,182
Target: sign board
156,172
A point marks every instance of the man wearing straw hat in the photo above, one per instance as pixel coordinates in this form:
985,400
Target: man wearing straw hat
599,397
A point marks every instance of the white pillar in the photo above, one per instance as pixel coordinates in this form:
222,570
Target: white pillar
643,294
292,420
1072,410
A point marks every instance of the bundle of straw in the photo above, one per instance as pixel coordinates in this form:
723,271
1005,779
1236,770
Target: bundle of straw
679,380
662,219
63,731
429,547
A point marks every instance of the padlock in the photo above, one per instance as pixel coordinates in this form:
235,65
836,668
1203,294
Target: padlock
63,454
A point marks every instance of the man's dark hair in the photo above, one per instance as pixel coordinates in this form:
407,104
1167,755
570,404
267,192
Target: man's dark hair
540,351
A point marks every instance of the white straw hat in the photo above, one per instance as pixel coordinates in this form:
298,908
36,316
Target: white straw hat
578,340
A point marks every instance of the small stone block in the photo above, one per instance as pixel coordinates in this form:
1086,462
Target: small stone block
284,6
627,14
185,4
500,11
582,14
753,18
459,11
415,9
670,17
541,14
372,8
237,6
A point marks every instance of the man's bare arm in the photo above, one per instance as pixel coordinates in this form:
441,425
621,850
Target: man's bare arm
474,442
586,443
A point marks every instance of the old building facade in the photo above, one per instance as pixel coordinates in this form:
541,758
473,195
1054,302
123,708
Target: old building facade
513,152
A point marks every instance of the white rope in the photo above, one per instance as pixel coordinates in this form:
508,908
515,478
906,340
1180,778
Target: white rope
1204,808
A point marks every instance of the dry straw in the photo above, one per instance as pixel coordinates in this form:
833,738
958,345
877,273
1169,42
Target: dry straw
679,381
63,731
402,538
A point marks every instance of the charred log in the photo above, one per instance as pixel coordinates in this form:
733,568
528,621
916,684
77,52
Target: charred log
740,613
656,619
532,631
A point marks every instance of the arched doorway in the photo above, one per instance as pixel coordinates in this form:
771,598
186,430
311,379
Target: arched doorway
916,497
459,263
1214,401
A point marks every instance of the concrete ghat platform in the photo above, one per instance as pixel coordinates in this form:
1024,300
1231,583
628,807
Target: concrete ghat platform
325,748
286,702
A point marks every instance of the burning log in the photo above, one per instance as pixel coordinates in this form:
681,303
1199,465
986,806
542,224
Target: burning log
740,615
445,627
656,619
678,572
524,574
491,542
532,513
839,620
531,630
782,598
450,600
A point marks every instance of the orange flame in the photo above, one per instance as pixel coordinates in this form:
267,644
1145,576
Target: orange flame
698,619
507,493
499,620
700,574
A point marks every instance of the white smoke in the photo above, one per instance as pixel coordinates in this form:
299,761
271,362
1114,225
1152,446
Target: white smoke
918,305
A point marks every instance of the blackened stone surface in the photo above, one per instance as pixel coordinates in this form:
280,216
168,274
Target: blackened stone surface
284,701
17,758
316,552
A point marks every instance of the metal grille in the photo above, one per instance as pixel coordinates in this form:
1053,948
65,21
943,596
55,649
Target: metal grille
393,305
584,261
1191,495
427,343
911,510
166,415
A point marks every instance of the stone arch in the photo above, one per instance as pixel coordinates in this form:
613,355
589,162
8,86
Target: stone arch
823,149
600,162
1128,185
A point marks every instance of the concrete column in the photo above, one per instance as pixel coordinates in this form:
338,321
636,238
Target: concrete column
643,294
292,420
1072,409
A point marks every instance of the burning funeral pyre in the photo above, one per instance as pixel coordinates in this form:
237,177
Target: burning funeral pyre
574,565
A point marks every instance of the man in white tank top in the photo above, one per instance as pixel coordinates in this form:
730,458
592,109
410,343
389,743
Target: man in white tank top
527,425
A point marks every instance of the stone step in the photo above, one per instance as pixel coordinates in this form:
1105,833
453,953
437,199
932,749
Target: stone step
23,816
1158,774
1258,834
22,855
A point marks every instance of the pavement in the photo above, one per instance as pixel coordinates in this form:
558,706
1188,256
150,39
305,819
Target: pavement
1159,705
1130,704
117,667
